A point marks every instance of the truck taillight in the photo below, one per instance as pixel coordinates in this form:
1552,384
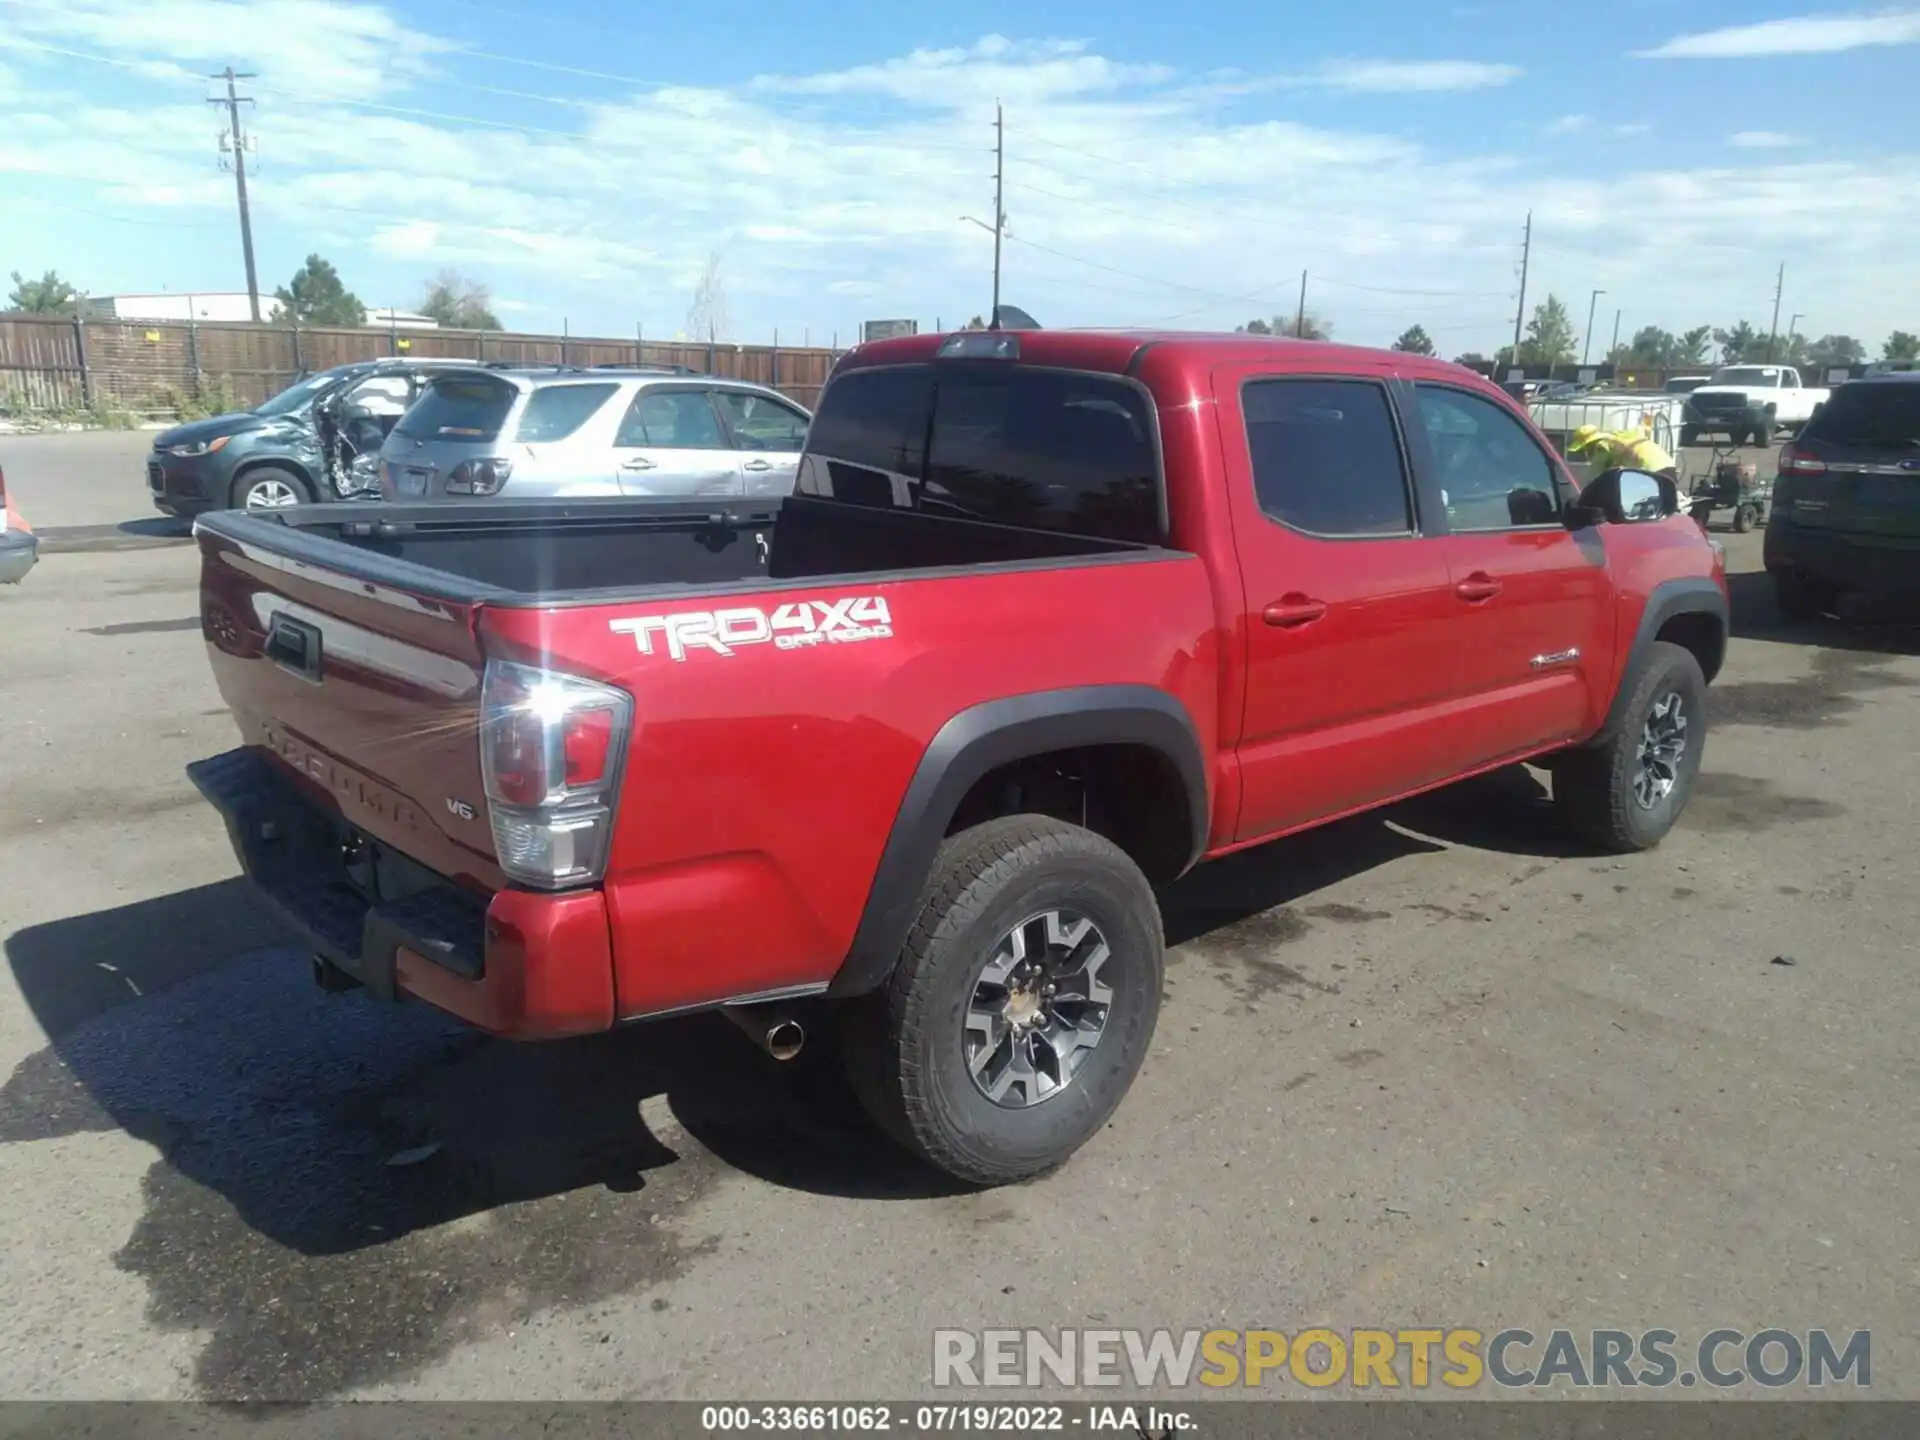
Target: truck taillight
550,752
1794,462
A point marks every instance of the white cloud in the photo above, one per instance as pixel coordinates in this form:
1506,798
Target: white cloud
336,47
1136,195
1799,35
1762,140
1570,125
1380,77
1633,127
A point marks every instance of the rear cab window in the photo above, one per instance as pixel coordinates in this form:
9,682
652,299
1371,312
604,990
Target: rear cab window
459,407
553,412
1007,444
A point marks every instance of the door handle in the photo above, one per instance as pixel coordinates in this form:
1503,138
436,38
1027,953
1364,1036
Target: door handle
757,465
1477,587
638,462
1292,611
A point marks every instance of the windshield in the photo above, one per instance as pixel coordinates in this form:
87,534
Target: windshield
1879,416
1681,387
298,395
1746,375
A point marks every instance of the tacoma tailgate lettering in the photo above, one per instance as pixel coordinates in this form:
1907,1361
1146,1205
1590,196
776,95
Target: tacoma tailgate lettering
790,627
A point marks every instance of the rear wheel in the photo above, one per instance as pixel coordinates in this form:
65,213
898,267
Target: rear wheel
1801,597
1744,515
1022,1005
1626,793
270,488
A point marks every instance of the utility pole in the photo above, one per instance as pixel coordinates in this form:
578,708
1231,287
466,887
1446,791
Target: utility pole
1300,316
238,136
1611,349
1520,310
1773,330
999,204
1586,340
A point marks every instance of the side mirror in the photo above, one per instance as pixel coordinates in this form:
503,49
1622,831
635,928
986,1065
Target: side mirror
1623,497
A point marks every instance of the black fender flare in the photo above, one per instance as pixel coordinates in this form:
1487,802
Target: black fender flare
1689,596
980,739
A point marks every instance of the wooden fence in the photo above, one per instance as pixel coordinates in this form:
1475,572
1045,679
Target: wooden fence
159,366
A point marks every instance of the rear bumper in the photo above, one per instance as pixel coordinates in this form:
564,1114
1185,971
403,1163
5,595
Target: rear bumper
18,552
518,964
1848,561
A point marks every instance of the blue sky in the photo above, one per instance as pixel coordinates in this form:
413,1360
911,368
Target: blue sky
1174,165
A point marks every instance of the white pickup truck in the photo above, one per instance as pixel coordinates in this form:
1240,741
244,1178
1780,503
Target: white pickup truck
1752,402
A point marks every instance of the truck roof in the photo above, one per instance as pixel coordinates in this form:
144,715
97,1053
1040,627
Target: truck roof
1121,351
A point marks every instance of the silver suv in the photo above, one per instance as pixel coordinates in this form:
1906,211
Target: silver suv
567,431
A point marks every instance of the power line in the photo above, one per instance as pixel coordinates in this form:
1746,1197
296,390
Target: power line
1110,209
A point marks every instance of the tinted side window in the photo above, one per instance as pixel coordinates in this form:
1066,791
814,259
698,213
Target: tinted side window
1493,474
555,411
1046,449
758,423
868,440
1326,457
463,408
672,420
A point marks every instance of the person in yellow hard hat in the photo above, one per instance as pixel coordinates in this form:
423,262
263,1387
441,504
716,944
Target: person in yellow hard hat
1622,449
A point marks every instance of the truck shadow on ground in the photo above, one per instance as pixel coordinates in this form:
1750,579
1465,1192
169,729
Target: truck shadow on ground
346,1190
1887,628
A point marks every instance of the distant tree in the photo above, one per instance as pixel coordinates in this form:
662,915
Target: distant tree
1691,346
1901,345
316,296
1740,344
1789,350
1653,346
459,302
976,323
1414,341
1473,360
1836,350
49,295
1307,326
1255,327
707,317
1549,337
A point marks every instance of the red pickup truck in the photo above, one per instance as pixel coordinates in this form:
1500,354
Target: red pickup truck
1050,618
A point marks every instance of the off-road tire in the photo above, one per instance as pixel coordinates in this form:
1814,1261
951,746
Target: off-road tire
904,1044
1593,788
268,475
1799,597
1744,515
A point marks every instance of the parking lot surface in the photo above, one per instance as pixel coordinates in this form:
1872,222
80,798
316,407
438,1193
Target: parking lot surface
1437,1066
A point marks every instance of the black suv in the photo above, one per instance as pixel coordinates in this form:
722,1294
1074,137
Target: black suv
1846,506
319,439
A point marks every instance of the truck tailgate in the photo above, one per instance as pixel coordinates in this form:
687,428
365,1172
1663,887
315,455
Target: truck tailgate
368,693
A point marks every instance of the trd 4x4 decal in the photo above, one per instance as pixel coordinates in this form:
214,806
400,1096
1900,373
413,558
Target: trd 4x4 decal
790,627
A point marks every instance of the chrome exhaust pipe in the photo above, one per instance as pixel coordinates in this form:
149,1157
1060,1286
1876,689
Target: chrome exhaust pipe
781,1036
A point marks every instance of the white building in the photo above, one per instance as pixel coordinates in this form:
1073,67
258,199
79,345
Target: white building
169,305
400,320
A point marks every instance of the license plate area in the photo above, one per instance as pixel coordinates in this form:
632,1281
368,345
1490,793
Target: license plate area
413,483
1888,492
